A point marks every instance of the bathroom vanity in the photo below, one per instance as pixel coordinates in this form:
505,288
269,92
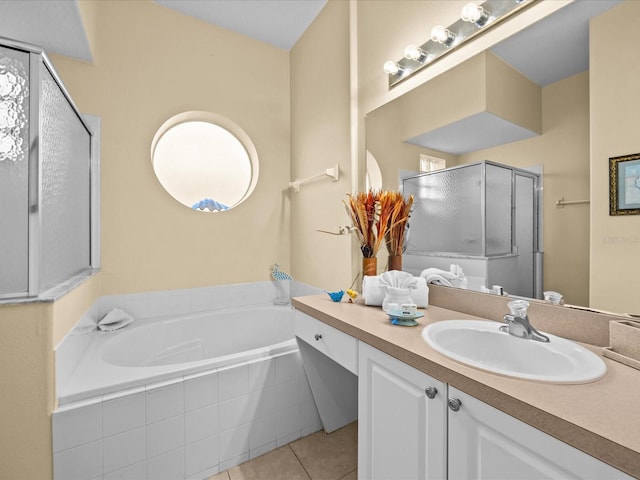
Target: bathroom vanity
422,415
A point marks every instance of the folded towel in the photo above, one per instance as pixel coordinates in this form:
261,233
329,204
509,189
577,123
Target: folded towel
453,278
373,291
436,278
114,320
398,279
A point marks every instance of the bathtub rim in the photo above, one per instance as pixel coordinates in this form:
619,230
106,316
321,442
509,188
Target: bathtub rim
148,376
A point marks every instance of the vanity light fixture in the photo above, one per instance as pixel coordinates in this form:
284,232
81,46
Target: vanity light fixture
393,68
416,54
440,34
475,14
475,18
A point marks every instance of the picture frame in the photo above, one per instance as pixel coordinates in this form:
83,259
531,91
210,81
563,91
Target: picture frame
624,185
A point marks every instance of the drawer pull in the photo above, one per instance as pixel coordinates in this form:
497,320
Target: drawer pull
431,392
318,336
455,404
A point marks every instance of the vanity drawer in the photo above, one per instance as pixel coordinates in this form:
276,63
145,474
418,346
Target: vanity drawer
338,346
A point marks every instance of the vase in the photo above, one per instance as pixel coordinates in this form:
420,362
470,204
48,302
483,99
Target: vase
369,266
395,262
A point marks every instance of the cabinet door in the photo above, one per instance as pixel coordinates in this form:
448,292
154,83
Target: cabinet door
401,431
485,443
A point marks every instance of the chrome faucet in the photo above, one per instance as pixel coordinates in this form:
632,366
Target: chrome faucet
517,322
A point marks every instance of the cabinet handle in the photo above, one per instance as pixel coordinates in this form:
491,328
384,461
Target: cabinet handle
431,392
318,336
455,404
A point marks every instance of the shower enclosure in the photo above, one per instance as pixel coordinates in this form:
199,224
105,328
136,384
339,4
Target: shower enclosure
482,216
48,178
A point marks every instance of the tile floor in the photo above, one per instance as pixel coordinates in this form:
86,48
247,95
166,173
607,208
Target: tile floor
319,456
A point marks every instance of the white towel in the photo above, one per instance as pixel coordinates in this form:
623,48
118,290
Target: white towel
373,292
114,320
398,279
453,278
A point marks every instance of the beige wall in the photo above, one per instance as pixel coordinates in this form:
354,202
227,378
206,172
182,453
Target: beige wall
563,152
615,116
320,128
26,391
68,310
150,64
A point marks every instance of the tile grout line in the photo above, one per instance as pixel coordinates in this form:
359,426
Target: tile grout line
299,461
348,473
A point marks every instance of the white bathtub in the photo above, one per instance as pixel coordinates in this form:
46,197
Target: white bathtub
220,337
184,397
157,349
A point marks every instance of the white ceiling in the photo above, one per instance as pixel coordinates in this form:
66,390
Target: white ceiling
54,25
557,46
277,22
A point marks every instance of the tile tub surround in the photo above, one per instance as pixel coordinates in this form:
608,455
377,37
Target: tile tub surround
599,418
126,435
189,428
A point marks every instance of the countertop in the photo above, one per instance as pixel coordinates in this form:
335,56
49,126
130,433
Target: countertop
601,418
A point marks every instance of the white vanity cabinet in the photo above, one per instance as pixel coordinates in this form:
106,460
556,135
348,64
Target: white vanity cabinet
485,443
401,420
412,426
330,359
403,433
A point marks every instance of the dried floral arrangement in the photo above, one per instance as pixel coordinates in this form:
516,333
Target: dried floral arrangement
400,211
379,216
364,210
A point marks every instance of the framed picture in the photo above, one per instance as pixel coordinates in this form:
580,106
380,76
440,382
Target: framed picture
624,185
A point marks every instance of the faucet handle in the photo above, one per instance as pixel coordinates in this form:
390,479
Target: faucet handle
518,308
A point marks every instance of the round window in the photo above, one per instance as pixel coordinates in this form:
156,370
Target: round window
204,161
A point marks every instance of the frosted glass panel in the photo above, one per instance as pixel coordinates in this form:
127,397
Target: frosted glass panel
65,152
498,210
14,171
525,235
447,216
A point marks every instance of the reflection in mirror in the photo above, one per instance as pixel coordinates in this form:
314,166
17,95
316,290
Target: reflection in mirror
481,217
373,180
520,104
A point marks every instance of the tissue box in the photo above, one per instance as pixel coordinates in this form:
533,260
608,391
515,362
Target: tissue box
625,338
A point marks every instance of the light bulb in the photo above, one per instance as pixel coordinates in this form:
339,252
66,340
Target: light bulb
470,12
442,35
415,53
475,14
392,68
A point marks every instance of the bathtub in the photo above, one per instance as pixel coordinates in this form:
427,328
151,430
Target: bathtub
183,397
156,349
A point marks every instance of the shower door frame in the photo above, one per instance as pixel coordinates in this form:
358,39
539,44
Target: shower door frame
38,57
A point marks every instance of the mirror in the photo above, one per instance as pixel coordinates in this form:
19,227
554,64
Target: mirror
548,130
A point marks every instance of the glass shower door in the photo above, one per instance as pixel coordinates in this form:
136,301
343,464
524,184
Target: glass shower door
14,171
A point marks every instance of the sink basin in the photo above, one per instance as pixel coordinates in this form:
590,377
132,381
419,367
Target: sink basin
480,344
